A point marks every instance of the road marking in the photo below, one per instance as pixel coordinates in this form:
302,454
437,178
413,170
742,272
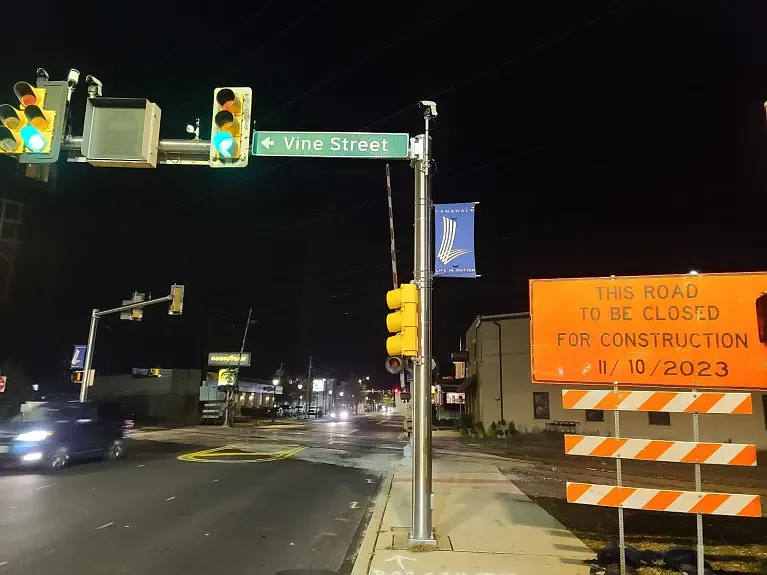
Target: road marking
105,525
3,563
225,454
170,498
354,505
44,487
142,465
399,559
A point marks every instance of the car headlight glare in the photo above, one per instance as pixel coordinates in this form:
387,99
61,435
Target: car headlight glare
38,435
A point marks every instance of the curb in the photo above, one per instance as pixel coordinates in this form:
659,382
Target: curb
368,546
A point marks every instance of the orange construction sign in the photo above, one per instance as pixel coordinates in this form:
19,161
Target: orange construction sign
685,331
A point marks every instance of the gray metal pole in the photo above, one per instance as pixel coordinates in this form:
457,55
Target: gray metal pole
421,531
89,356
229,396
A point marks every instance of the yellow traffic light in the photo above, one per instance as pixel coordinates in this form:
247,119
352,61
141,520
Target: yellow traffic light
177,303
77,377
30,128
403,322
230,131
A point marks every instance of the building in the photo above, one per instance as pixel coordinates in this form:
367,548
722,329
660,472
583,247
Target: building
153,395
503,389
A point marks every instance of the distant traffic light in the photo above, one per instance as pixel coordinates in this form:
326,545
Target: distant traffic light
77,377
403,322
177,303
33,132
230,130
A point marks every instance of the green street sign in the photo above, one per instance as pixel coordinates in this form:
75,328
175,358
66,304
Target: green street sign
331,144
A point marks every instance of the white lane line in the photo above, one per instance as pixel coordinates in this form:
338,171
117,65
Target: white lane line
44,487
105,525
354,505
215,481
170,498
3,563
142,465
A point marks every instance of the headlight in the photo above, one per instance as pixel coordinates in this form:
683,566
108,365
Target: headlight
332,414
33,436
344,415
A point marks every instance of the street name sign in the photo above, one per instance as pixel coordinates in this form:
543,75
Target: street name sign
331,144
683,331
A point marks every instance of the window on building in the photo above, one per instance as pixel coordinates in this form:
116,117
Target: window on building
541,405
764,409
595,415
659,418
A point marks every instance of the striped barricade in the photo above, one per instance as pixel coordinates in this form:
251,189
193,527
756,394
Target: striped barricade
664,500
656,450
666,401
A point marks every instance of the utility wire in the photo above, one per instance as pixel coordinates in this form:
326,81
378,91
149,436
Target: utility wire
351,67
446,90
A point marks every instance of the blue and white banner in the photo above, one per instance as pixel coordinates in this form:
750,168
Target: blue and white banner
454,241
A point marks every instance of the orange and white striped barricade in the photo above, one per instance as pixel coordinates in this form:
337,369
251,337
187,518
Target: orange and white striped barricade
658,450
664,500
664,401
697,502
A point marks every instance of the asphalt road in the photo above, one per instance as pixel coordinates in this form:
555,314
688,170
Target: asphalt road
153,514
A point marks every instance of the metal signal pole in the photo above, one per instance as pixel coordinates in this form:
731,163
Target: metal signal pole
421,531
228,408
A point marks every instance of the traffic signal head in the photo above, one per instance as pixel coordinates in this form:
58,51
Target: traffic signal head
403,322
177,303
35,130
230,131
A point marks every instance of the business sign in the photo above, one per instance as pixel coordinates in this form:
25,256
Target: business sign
226,377
277,390
454,241
688,331
229,359
78,357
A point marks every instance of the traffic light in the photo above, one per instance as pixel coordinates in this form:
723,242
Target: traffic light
230,131
177,303
77,377
403,322
35,129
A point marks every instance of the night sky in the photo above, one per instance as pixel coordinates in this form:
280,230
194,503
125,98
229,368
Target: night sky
612,137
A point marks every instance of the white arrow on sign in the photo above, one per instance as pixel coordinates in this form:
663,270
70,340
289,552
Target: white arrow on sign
267,142
399,559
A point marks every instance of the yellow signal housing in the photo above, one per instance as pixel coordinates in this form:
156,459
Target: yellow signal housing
230,128
30,127
403,322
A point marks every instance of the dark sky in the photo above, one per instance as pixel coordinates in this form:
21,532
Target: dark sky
600,137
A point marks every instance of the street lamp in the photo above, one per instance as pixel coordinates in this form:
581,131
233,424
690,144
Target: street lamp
275,382
300,386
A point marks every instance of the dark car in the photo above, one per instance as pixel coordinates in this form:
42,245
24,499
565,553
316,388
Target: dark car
50,434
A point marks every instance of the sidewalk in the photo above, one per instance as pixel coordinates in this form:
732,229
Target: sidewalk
483,523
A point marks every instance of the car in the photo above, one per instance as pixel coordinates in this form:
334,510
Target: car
51,434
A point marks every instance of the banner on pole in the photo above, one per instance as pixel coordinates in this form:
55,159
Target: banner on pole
454,240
